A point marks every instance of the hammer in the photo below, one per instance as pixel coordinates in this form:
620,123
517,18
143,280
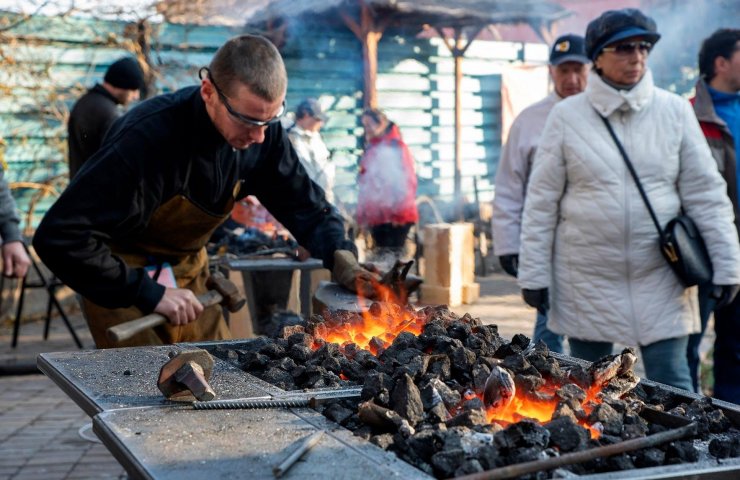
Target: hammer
186,376
221,290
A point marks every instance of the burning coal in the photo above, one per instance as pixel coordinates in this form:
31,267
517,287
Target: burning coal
373,330
450,396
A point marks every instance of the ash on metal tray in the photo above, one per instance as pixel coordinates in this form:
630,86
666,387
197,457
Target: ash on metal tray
423,397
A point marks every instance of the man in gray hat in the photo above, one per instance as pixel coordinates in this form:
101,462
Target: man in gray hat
95,112
568,70
306,139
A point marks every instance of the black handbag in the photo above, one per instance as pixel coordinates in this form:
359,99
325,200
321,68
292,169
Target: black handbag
680,241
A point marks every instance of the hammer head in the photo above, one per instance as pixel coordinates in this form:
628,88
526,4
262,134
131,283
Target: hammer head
233,299
185,376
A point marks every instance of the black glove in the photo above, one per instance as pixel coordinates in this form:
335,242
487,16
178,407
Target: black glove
510,264
724,294
539,299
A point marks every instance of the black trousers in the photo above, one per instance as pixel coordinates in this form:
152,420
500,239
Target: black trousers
387,235
727,352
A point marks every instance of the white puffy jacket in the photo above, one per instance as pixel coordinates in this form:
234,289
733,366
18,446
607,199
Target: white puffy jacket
586,233
512,174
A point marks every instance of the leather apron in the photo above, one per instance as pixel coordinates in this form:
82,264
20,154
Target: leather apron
177,233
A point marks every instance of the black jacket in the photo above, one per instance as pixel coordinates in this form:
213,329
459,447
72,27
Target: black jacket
142,164
90,119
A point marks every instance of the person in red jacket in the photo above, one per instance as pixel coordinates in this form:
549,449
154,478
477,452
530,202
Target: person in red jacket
386,202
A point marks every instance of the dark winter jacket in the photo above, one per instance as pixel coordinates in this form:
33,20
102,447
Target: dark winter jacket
720,142
9,220
90,119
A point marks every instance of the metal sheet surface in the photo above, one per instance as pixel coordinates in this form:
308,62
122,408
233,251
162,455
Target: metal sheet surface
154,438
178,443
100,380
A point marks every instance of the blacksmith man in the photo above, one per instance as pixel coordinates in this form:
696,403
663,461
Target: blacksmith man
167,174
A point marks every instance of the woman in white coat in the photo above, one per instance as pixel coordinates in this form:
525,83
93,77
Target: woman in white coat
589,246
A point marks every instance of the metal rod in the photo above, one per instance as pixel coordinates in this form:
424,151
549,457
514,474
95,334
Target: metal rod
286,400
513,471
248,404
304,447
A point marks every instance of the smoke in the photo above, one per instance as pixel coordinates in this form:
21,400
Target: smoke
683,26
384,184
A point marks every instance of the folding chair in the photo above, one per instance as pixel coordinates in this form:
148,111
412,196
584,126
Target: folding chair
51,285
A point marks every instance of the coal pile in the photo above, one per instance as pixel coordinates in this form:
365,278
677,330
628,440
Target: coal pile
423,396
237,239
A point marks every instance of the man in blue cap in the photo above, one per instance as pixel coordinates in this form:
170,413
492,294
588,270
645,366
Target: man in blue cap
95,112
568,70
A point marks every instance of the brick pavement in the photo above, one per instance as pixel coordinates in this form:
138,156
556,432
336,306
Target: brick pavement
39,436
39,424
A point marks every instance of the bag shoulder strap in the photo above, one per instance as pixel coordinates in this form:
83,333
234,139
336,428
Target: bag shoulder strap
631,168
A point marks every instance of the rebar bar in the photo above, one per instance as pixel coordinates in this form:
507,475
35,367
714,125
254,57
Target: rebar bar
519,469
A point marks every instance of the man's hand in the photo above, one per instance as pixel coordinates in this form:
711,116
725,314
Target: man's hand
179,305
539,299
510,264
724,294
351,275
15,260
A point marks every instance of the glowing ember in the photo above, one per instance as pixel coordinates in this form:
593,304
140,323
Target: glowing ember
524,407
377,327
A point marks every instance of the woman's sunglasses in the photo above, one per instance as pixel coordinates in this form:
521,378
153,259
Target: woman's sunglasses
628,48
252,122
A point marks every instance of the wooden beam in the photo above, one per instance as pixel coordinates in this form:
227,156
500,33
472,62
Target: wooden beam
546,31
458,46
368,31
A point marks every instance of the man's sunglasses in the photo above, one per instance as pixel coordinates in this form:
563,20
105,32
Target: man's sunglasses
628,48
252,122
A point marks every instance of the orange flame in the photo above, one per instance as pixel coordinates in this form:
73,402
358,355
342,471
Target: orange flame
523,407
383,322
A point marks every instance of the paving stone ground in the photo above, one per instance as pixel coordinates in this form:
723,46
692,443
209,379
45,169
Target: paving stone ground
40,426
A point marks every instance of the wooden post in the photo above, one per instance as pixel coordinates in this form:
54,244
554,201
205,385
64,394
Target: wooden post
458,46
458,53
369,32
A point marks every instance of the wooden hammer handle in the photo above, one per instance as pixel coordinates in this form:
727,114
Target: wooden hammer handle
126,330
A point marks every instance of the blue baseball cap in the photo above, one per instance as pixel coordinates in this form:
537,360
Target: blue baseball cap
569,48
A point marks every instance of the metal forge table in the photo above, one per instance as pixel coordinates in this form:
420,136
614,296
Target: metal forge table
156,439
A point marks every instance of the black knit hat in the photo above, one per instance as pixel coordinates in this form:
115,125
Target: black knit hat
615,25
125,73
